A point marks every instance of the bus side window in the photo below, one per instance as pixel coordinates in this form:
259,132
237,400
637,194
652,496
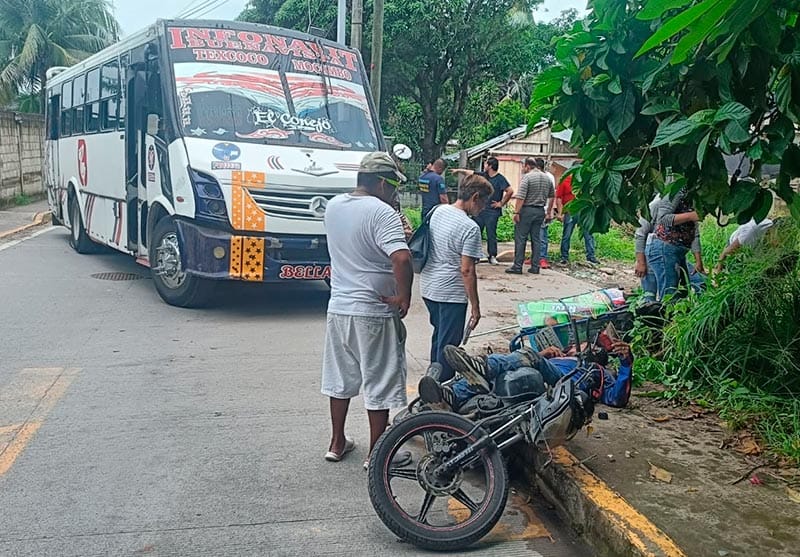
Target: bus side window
109,92
66,109
53,115
78,98
123,92
93,101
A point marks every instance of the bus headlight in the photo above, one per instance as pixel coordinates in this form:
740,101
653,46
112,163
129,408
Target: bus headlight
209,201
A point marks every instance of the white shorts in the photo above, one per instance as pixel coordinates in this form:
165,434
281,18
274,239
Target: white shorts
368,351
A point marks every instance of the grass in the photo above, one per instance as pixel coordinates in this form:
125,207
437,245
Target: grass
737,345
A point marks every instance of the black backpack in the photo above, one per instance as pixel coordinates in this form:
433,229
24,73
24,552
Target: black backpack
420,242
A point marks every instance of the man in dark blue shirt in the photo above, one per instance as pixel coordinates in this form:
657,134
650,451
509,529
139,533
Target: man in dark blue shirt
491,214
432,188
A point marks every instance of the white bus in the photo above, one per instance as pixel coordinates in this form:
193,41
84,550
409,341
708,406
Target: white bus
208,150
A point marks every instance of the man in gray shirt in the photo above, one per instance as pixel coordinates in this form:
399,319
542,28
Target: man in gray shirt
535,191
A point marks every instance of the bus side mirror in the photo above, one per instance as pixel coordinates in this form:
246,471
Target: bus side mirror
402,152
152,124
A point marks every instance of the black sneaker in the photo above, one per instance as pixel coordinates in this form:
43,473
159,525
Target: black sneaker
593,261
564,262
514,271
471,368
533,270
431,392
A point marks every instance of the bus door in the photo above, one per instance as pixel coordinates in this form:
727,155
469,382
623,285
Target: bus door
145,147
51,162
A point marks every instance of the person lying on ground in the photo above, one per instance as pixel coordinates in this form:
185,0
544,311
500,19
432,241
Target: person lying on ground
479,373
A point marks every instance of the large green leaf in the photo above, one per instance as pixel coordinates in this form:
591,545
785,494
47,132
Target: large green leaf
627,162
613,186
732,111
701,149
735,132
673,131
700,30
623,113
660,105
656,8
681,22
615,86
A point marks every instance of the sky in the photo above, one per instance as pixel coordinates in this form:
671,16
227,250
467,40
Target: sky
136,14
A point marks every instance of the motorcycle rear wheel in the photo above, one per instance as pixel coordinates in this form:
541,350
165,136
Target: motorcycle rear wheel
442,514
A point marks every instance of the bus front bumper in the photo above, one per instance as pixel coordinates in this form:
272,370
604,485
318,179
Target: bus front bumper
221,255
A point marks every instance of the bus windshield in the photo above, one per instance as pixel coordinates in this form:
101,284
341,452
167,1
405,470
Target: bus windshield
240,103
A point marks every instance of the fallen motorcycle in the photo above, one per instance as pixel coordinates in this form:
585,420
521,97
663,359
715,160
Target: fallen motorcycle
455,489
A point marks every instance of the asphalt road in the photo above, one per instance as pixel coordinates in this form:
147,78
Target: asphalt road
129,427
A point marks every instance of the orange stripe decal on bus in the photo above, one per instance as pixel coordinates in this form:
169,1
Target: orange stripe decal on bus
253,259
245,213
235,270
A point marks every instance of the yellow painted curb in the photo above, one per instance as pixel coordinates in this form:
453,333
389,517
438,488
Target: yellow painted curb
38,220
603,516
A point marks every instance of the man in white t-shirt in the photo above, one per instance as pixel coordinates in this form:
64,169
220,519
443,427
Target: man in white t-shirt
371,276
448,281
749,234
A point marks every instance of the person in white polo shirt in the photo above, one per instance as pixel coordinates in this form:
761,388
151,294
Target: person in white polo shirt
448,281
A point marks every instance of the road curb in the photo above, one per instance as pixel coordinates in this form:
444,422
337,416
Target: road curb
38,220
601,515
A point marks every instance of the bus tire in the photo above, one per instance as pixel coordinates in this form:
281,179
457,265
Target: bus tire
175,286
78,238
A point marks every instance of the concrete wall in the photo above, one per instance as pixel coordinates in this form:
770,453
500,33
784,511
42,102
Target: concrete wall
21,154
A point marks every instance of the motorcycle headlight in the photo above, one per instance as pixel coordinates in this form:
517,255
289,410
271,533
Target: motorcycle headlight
209,201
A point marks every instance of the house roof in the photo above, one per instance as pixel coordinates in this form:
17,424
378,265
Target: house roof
495,142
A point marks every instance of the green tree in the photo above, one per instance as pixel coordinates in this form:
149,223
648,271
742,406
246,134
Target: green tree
293,14
658,86
38,34
437,51
479,124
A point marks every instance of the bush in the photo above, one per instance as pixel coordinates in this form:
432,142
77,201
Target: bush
738,343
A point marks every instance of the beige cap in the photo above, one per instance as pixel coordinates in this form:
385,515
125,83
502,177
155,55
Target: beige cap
380,163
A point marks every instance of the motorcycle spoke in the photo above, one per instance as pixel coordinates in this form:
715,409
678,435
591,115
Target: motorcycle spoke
427,503
428,436
465,500
406,473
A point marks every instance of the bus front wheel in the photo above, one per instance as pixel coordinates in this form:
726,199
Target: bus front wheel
174,285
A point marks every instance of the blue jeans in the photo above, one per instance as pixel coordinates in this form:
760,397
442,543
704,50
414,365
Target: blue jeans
667,262
500,363
649,283
545,242
566,238
448,322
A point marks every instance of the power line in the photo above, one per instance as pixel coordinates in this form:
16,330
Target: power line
192,4
199,8
212,8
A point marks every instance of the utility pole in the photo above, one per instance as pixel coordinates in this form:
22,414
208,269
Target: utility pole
377,53
356,24
341,16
